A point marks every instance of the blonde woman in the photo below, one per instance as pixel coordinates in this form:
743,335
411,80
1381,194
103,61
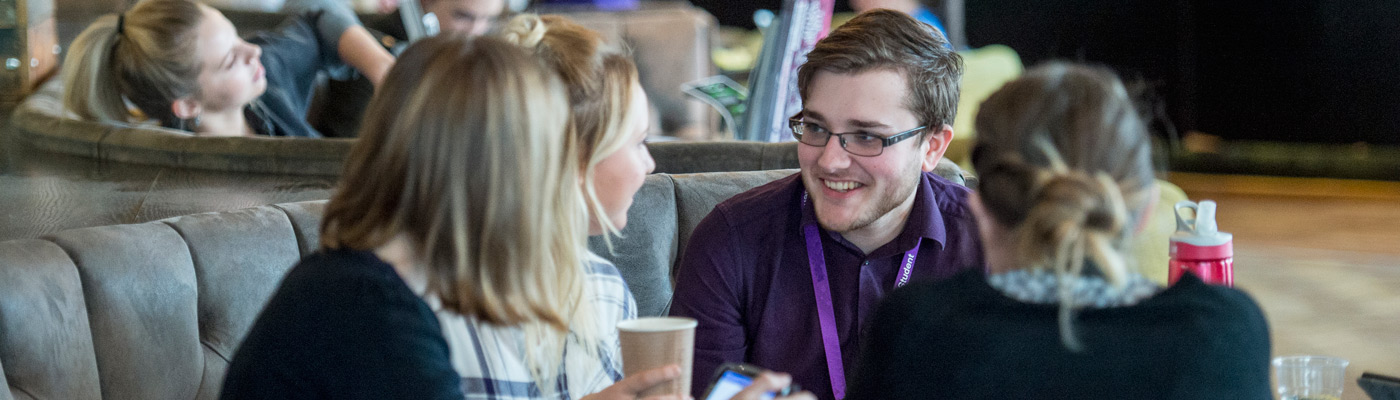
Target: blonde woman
608,108
183,64
605,138
452,257
456,197
1066,179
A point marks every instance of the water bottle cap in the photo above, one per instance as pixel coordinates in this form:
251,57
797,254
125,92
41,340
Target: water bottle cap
1200,229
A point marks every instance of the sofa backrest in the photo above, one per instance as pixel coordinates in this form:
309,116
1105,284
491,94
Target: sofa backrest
42,122
144,311
728,156
155,310
664,212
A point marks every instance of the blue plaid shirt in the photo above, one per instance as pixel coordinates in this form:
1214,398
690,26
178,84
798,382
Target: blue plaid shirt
490,358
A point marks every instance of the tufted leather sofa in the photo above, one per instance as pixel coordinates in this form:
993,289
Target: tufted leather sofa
155,310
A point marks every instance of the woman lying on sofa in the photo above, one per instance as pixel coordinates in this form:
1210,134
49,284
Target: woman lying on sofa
460,222
1066,179
184,65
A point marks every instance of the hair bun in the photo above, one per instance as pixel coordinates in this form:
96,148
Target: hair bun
1091,202
524,30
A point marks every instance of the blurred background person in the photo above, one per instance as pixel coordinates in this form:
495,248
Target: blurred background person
341,103
183,64
914,8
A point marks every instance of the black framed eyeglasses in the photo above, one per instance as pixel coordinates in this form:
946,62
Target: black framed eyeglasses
861,144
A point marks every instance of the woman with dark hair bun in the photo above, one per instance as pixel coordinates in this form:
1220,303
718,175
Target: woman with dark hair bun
1066,180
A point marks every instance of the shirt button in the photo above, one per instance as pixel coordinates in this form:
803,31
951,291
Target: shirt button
867,262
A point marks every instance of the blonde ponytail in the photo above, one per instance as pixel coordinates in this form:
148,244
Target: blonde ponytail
90,81
150,61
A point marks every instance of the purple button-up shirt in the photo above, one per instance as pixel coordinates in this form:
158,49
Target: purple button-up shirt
745,277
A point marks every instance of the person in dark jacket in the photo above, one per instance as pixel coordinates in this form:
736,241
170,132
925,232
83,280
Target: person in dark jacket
1066,179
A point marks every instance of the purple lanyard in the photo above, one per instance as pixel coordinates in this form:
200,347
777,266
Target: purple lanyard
817,260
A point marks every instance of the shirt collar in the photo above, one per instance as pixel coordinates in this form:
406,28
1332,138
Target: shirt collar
925,222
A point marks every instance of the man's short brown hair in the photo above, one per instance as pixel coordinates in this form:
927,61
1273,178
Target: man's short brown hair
885,39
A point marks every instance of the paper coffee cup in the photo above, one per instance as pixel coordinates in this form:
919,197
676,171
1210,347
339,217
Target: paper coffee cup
649,343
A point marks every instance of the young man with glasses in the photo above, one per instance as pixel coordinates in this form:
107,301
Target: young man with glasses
785,276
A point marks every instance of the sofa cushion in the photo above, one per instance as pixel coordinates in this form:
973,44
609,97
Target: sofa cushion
141,296
306,223
45,343
695,157
697,194
239,257
647,246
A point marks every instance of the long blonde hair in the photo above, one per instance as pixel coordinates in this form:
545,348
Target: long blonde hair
462,151
599,76
1064,161
151,61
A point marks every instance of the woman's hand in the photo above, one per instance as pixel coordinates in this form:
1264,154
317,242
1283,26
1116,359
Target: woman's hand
771,382
628,388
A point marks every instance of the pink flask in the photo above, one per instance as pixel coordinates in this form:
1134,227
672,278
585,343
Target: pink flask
1199,247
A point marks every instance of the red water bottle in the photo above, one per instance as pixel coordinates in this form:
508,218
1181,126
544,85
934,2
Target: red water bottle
1199,247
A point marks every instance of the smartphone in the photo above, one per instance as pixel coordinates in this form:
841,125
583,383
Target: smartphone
731,378
1380,387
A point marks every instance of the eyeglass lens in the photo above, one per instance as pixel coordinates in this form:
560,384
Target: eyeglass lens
858,144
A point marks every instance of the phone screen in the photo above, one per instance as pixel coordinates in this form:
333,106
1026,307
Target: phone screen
729,384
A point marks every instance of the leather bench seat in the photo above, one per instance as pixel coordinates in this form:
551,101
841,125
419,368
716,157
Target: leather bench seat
155,310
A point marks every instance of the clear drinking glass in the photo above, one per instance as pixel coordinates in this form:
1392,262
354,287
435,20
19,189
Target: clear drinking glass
1310,377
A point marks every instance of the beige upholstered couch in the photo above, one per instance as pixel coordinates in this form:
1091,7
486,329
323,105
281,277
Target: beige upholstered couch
155,310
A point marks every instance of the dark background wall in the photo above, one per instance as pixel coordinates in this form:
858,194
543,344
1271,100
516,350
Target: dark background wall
1310,71
1297,70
